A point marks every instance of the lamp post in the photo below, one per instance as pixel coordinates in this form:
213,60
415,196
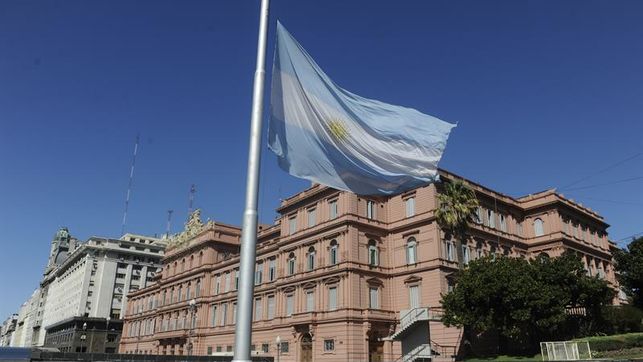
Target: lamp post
83,337
192,306
278,340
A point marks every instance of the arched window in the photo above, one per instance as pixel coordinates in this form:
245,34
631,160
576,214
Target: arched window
411,251
373,253
333,256
201,258
539,229
180,296
291,264
188,291
183,264
191,261
198,287
310,259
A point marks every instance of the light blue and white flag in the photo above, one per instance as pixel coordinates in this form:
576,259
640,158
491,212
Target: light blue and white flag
323,133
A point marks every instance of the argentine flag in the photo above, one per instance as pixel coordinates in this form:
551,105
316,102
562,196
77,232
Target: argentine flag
325,134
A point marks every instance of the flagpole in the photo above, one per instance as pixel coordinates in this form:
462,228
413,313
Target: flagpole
243,328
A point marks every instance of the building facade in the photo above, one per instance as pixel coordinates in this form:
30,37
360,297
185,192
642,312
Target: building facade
341,277
85,335
88,279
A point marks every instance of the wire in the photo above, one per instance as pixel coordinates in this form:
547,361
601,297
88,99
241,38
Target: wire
601,171
612,201
630,237
605,183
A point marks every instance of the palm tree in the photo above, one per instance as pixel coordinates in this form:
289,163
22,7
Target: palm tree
458,206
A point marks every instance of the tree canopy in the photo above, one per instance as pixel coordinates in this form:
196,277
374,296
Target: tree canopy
526,301
629,267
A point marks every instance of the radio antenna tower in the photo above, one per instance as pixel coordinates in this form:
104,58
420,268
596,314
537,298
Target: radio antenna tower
129,185
191,198
169,223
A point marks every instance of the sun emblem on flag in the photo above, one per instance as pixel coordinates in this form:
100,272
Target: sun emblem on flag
338,129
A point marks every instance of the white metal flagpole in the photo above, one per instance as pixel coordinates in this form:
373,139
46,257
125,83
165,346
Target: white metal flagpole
243,329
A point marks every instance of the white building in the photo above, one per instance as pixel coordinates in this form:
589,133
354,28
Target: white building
24,324
89,279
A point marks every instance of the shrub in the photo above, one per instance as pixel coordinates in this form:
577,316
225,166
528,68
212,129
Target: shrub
622,319
616,342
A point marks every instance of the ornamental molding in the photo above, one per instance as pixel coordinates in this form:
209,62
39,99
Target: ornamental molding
193,227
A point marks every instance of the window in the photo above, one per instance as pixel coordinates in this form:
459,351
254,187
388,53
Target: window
234,313
478,218
227,282
332,208
217,285
187,292
332,298
310,258
370,209
236,279
411,251
213,317
291,264
312,217
180,295
258,310
271,307
518,227
374,298
258,273
538,227
310,301
292,224
198,288
272,269
332,257
414,296
491,216
449,250
329,345
373,253
265,347
224,314
209,350
410,206
284,347
290,304
466,257
503,222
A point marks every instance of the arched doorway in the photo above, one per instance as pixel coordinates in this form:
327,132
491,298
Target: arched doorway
306,352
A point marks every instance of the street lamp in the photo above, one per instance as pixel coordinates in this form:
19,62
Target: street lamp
278,340
192,305
83,337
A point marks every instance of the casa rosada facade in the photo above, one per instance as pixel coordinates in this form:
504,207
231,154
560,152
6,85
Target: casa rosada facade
338,275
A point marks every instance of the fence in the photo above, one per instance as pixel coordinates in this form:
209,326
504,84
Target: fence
565,351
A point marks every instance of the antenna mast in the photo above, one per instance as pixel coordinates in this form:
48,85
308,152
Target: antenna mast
129,185
191,198
169,222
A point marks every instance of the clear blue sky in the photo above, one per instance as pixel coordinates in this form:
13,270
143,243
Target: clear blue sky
545,93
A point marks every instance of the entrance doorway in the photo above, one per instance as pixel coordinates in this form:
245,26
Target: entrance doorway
306,348
375,351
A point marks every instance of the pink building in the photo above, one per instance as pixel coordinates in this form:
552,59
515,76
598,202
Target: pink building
341,277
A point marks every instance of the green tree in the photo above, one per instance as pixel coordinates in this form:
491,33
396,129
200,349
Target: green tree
458,205
629,268
526,301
